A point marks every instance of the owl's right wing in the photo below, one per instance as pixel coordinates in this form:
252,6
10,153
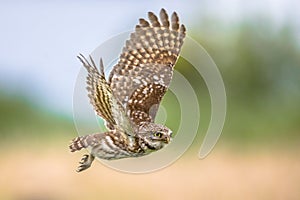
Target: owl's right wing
145,68
102,99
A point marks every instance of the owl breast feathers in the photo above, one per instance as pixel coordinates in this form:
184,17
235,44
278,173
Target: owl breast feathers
129,99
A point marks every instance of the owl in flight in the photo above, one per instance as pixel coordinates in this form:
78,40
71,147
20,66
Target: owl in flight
128,100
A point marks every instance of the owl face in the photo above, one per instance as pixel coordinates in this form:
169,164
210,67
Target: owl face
154,136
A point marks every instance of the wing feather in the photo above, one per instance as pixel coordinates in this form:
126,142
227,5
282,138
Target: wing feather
102,99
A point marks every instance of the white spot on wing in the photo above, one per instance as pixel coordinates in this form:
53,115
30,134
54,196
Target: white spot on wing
137,81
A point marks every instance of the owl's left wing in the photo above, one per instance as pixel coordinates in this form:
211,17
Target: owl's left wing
145,68
102,99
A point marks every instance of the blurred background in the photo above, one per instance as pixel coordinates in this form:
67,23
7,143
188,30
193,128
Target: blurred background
256,46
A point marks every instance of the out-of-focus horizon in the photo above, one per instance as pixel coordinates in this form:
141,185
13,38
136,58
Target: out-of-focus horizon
256,46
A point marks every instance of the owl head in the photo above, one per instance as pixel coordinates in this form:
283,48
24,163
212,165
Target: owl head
153,136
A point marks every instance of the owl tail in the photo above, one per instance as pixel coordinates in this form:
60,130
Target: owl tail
83,142
78,143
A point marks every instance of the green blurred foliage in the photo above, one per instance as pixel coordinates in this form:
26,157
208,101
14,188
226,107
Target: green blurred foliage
260,65
21,119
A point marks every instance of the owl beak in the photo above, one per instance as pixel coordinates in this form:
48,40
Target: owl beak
167,139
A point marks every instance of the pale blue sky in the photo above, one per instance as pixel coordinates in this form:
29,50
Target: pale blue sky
39,40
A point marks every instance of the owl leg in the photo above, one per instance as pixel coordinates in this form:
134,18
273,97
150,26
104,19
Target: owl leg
85,162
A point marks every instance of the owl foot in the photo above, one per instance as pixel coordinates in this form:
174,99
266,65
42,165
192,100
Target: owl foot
85,162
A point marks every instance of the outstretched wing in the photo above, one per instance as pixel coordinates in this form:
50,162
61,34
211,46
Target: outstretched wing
102,99
145,68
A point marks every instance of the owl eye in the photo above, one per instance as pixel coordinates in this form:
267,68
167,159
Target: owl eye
158,134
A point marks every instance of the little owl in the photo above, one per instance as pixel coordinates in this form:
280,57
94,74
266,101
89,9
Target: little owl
129,99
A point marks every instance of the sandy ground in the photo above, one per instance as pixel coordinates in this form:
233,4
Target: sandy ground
48,174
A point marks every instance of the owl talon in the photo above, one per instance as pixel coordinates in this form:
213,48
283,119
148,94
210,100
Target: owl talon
85,162
84,159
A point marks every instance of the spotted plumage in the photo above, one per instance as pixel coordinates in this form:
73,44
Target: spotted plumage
128,101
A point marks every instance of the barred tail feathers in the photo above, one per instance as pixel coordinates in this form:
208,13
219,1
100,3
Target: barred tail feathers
81,142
